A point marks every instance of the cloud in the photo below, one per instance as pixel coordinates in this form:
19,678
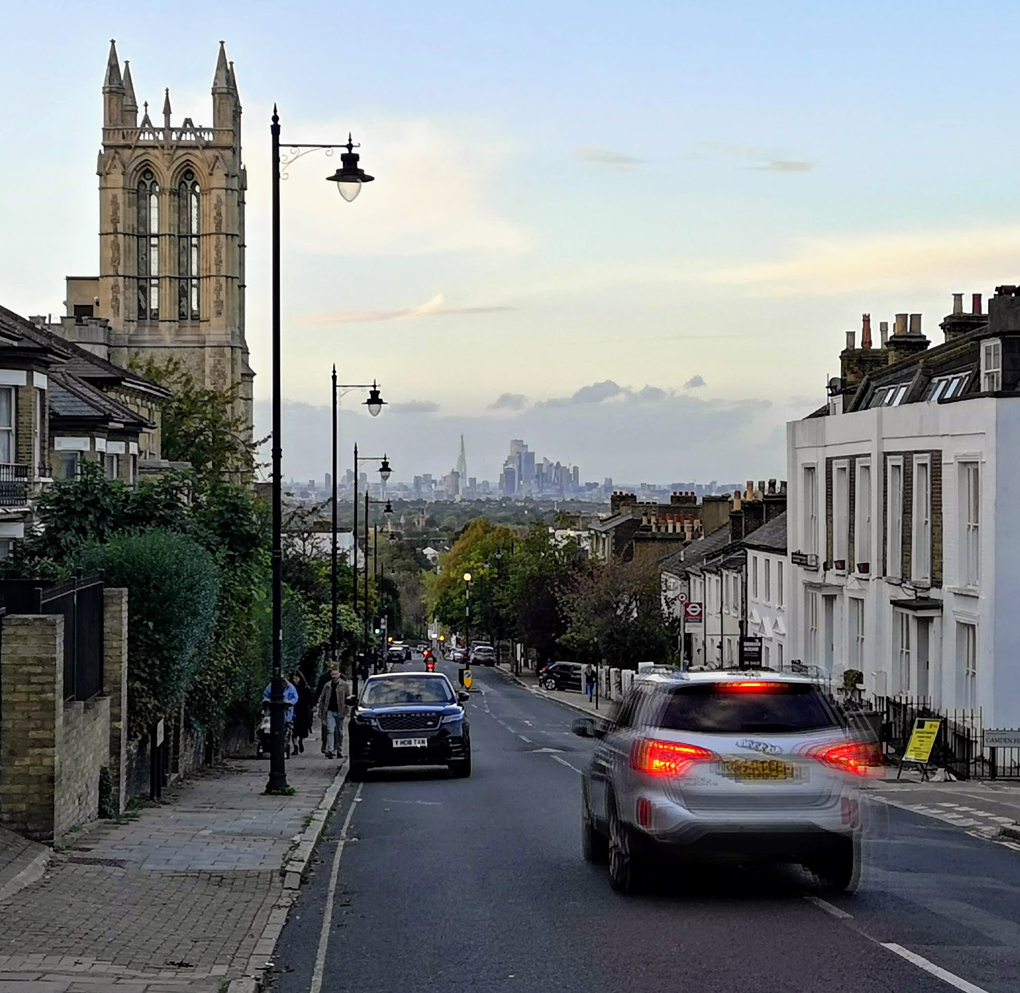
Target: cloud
887,262
694,382
436,307
413,407
603,156
767,160
509,401
436,192
608,390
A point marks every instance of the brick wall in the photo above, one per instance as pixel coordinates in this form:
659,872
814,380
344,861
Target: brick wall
83,748
31,708
52,750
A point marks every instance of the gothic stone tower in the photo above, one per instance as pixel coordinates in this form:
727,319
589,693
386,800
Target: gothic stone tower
171,233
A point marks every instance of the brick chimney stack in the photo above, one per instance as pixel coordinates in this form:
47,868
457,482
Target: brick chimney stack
958,323
856,363
906,340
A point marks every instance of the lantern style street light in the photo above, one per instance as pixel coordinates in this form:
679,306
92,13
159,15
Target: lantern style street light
349,179
375,405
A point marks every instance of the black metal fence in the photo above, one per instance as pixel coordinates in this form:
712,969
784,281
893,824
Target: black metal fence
13,484
80,600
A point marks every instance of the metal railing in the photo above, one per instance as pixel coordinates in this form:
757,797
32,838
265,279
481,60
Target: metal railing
80,600
14,479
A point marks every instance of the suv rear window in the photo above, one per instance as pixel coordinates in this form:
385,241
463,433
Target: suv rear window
712,710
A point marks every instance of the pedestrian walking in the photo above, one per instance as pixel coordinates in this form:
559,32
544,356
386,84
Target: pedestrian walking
302,710
332,707
589,680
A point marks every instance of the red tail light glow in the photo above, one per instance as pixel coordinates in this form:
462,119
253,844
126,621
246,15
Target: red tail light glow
667,758
753,686
859,758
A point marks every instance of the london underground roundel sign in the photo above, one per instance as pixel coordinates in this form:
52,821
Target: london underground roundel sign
693,612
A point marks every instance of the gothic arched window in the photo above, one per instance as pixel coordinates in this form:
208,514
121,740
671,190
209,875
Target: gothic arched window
187,247
148,247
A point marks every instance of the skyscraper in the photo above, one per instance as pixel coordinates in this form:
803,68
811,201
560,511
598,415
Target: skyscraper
462,461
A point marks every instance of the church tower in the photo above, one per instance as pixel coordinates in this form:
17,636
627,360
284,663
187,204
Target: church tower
171,238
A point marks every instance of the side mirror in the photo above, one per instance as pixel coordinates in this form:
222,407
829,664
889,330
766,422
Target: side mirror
351,700
463,695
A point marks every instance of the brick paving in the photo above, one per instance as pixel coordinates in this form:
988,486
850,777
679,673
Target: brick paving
176,899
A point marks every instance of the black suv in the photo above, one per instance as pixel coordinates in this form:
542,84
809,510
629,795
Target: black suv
410,718
561,676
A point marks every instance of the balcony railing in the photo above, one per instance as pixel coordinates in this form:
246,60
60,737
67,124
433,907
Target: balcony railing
14,484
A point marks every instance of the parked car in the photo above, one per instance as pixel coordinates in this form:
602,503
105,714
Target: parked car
456,655
410,718
725,765
395,653
562,676
483,654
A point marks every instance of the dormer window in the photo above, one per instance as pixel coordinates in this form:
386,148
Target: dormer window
946,387
991,365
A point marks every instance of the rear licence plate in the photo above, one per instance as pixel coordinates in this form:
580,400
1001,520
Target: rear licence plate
410,742
760,770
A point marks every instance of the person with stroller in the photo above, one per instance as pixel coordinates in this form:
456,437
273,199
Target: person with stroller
302,710
290,696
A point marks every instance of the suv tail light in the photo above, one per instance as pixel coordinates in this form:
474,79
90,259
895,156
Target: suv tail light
667,758
753,686
859,758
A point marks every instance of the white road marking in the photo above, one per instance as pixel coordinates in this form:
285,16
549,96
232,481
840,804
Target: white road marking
545,751
828,907
922,963
528,740
327,915
562,761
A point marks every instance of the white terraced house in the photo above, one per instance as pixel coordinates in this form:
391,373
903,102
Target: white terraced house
904,550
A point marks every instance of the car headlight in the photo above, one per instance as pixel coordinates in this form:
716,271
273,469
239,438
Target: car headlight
365,721
453,718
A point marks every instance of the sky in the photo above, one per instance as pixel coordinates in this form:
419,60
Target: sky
689,202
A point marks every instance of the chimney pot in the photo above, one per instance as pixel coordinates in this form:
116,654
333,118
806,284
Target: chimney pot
761,485
957,303
901,324
866,331
915,324
772,486
850,341
883,332
975,303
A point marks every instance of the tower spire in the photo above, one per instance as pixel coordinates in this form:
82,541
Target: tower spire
221,80
166,109
112,81
130,103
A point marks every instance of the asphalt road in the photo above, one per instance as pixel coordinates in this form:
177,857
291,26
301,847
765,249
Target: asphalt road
477,885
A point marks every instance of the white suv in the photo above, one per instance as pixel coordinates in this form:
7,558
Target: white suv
739,765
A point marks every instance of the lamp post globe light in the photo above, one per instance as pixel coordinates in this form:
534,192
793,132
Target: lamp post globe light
349,177
375,404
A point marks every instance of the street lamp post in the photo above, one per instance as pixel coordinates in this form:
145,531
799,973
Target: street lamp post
384,474
374,404
349,179
388,510
467,622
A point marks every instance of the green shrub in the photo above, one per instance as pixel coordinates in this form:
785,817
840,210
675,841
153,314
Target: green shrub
173,588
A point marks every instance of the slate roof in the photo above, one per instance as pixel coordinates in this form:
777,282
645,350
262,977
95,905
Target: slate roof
74,399
697,551
86,365
769,537
23,334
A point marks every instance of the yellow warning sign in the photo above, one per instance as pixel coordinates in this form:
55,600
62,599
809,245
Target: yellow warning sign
922,740
468,679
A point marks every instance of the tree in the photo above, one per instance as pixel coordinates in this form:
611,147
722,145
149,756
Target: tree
173,589
613,614
202,426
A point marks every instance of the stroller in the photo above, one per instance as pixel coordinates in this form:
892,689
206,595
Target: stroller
263,735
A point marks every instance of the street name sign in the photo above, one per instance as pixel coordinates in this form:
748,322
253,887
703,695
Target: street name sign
1002,738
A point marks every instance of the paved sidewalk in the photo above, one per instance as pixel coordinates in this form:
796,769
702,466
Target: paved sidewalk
570,698
22,862
177,899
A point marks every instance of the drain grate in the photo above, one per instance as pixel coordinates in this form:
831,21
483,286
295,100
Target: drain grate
87,860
